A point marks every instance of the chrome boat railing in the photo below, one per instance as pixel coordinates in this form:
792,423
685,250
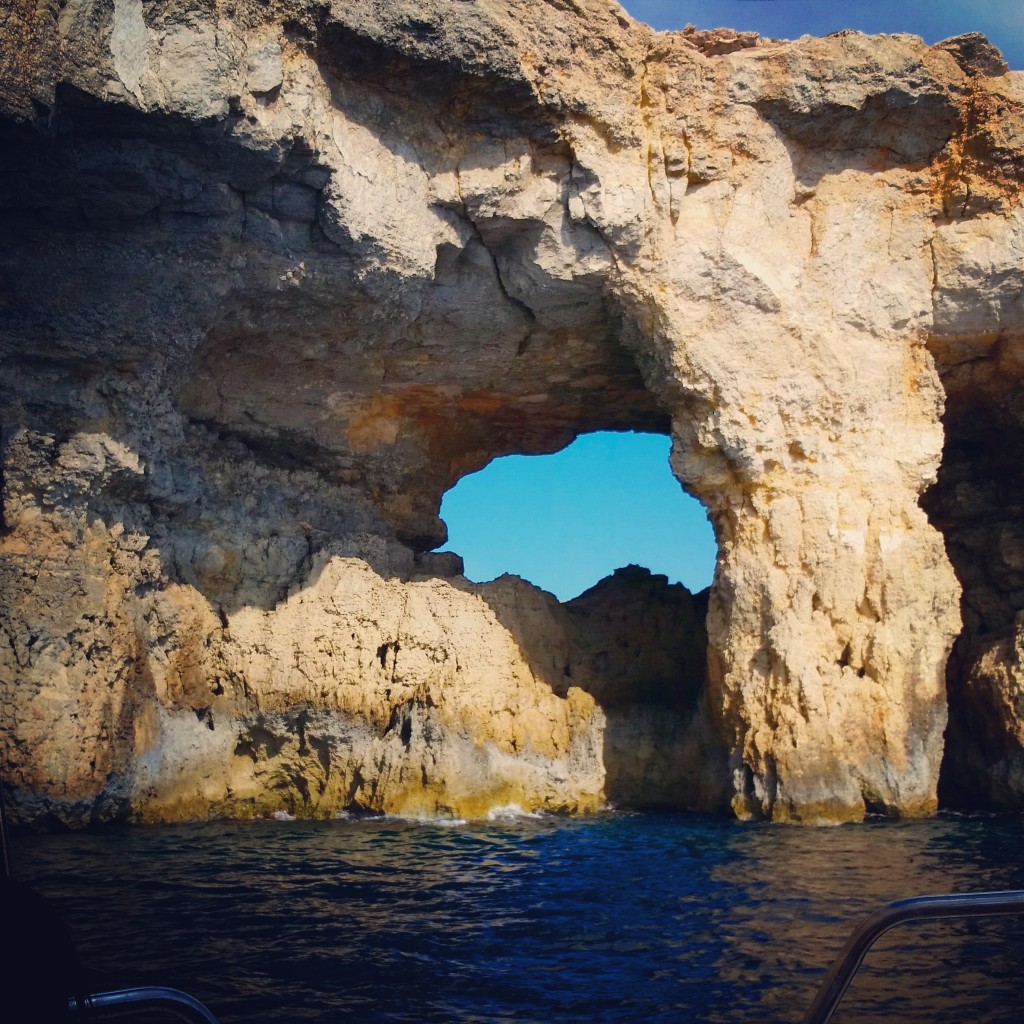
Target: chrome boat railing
154,997
919,908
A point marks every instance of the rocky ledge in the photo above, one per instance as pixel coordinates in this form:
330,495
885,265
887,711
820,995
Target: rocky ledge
276,275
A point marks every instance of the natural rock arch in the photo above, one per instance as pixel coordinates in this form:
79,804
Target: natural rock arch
269,309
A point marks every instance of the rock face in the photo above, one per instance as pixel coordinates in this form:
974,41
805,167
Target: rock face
274,276
641,648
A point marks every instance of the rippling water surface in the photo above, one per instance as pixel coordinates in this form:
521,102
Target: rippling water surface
623,917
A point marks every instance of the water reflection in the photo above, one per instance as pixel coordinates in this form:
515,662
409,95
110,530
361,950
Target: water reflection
620,918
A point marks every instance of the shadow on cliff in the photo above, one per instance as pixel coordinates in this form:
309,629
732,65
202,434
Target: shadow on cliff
638,645
976,503
869,122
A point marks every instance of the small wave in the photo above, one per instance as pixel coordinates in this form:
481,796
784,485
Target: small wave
426,819
508,812
282,816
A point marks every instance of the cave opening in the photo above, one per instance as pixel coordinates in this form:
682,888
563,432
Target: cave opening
567,520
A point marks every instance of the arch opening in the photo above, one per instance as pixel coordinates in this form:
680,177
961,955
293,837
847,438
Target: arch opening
605,527
566,521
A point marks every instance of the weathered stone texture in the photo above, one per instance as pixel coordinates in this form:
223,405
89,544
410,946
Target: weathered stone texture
274,276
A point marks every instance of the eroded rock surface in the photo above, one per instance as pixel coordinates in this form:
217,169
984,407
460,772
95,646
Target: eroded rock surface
274,276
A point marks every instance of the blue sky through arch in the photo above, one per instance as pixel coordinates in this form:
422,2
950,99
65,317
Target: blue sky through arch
566,520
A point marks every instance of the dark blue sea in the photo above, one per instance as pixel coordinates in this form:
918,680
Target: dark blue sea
548,920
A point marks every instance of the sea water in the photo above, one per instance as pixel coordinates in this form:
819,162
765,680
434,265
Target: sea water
618,917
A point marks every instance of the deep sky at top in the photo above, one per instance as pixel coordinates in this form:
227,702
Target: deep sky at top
564,521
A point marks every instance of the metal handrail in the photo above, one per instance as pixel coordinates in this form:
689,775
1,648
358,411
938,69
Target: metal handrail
171,1000
919,908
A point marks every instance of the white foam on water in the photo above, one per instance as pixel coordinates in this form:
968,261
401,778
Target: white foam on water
282,816
426,819
507,812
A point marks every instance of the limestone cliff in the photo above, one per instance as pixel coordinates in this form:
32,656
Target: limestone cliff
275,275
